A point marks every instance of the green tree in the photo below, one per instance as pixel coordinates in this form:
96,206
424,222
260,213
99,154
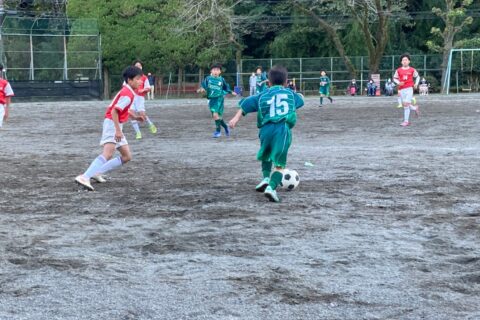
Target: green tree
454,16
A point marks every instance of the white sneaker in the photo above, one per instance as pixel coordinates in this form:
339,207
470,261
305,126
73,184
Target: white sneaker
81,180
271,194
99,178
262,185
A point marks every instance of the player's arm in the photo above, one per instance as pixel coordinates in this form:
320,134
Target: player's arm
8,95
116,124
417,78
299,100
146,86
396,78
246,105
136,116
226,88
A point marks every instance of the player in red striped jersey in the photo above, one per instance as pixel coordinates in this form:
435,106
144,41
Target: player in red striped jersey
404,77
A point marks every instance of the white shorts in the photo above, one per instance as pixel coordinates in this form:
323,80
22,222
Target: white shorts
406,95
108,134
2,114
139,104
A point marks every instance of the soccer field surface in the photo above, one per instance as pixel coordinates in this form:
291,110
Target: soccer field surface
384,225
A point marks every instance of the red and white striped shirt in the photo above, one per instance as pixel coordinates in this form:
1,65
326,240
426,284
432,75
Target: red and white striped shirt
122,102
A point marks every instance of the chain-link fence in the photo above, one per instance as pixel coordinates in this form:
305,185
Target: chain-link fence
51,50
306,71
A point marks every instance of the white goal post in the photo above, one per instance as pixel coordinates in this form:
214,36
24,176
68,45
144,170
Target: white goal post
467,61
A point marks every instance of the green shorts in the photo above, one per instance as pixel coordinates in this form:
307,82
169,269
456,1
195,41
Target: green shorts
216,105
275,140
324,91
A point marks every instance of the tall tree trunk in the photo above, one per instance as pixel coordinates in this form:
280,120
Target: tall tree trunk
332,33
106,84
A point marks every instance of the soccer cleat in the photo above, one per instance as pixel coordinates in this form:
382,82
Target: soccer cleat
217,134
271,194
320,106
405,123
99,178
262,185
414,101
227,131
81,180
138,135
399,106
152,128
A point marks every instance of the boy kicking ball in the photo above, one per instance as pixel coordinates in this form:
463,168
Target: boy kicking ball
112,136
276,116
404,77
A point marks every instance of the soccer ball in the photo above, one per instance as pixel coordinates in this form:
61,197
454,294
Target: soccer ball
290,180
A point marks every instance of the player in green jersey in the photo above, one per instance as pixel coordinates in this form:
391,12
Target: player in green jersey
261,80
324,87
216,88
276,116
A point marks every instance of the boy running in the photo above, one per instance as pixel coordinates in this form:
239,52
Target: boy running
216,88
112,136
404,79
261,80
324,89
6,93
276,116
139,104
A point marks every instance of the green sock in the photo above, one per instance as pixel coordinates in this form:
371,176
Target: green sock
223,124
266,168
217,125
321,100
275,179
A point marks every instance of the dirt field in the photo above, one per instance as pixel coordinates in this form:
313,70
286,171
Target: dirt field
385,225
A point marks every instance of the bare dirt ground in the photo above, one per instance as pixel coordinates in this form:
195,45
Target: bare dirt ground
385,225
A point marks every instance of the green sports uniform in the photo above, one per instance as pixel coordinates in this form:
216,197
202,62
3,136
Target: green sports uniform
276,116
324,86
261,82
216,88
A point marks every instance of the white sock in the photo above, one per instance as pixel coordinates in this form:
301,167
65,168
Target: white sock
95,166
406,114
135,125
113,164
148,121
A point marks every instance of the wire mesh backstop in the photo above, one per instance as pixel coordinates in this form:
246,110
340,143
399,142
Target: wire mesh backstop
55,57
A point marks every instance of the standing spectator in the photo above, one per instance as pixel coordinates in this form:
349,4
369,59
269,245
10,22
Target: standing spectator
262,80
423,87
371,88
253,84
352,88
291,86
389,85
151,81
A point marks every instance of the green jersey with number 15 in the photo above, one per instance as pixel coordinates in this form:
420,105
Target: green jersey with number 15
275,105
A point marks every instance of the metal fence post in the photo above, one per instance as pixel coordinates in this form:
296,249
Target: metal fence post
301,74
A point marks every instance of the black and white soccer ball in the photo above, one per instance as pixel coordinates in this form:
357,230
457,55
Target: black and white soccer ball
290,180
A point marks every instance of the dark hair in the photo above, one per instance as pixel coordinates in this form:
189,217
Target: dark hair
216,65
278,75
405,55
131,72
259,67
137,61
1,67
